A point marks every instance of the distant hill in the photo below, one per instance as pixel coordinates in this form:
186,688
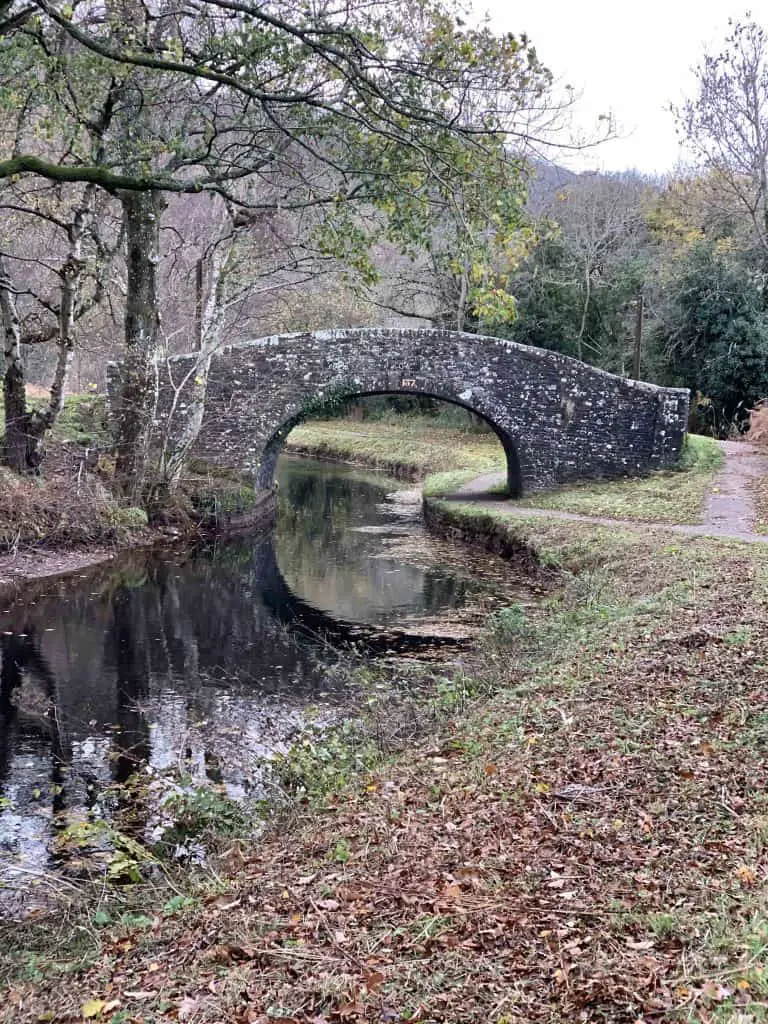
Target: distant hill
546,178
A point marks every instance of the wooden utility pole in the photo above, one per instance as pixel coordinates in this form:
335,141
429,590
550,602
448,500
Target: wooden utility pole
638,336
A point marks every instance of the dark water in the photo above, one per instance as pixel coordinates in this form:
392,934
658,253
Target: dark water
201,663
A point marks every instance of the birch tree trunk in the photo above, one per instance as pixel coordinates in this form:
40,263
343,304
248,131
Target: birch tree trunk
14,385
71,275
584,310
177,443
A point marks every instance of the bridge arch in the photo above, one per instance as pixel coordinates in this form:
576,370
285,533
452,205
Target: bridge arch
274,445
558,419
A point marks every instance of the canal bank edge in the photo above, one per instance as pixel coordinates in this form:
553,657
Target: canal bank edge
480,528
29,565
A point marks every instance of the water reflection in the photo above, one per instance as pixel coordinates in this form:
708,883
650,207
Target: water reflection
332,548
197,662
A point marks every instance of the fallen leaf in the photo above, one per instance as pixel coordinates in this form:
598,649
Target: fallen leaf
188,1007
353,1009
93,1008
717,993
746,874
373,980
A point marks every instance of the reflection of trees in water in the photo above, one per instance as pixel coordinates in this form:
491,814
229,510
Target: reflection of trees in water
317,509
196,645
343,570
127,645
188,639
32,753
28,697
442,591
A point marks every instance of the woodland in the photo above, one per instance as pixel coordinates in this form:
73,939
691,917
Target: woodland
174,177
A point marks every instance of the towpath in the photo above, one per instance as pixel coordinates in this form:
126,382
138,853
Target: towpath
729,510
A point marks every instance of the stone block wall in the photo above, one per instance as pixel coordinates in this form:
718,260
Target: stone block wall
558,419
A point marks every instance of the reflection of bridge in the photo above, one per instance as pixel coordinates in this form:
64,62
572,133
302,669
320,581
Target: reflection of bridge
558,419
305,618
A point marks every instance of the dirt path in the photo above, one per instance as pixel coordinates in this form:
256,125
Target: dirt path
728,511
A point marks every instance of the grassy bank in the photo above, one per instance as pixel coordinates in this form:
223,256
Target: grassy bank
409,446
416,447
62,510
72,503
67,505
582,836
669,496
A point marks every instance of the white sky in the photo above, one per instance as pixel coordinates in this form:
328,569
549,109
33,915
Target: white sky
630,59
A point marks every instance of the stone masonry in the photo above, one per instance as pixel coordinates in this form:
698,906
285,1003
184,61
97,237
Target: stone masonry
558,419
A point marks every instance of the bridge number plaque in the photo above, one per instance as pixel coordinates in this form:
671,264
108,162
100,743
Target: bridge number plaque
407,382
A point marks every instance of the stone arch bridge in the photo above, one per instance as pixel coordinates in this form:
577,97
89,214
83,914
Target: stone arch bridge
558,419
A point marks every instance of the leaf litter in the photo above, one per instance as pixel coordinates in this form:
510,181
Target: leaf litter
589,844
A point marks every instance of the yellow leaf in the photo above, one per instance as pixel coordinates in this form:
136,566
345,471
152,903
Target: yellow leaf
92,1008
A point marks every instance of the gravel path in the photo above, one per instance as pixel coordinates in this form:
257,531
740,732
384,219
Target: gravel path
728,511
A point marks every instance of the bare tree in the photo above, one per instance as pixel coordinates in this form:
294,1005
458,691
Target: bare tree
601,222
726,126
54,245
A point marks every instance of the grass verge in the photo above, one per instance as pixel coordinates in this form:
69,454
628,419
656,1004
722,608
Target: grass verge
409,446
669,496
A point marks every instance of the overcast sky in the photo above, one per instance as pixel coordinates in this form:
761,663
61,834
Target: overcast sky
630,59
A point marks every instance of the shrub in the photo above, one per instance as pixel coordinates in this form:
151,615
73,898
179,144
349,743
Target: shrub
130,518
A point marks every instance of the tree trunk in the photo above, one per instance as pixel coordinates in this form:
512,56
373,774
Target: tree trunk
136,405
177,443
71,273
14,385
461,305
584,311
638,336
